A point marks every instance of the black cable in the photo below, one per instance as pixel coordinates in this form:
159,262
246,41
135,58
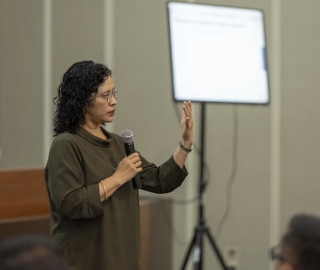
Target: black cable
233,171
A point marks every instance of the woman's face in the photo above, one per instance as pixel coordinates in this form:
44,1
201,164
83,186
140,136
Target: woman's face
102,109
283,262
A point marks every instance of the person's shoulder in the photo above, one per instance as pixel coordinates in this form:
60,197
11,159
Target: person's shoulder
64,144
65,138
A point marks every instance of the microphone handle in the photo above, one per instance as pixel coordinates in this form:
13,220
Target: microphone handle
136,181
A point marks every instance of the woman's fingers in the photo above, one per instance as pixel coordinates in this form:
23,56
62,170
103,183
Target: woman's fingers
134,159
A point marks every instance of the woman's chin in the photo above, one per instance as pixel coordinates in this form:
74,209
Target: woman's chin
106,122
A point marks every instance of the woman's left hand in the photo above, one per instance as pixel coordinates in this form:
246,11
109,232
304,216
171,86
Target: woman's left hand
187,124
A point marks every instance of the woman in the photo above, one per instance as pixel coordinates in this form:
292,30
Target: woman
94,208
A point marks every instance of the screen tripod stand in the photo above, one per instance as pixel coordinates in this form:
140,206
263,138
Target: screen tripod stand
201,229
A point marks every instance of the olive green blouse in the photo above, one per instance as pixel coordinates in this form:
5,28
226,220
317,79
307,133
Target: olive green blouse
94,234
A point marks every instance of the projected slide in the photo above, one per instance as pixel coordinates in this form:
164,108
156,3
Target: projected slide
218,54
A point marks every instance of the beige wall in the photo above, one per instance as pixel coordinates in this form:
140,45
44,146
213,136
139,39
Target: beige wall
277,145
300,129
21,83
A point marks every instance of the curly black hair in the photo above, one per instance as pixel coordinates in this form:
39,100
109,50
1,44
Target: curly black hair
75,92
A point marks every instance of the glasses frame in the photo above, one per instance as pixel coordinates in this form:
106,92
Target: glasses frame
109,95
275,255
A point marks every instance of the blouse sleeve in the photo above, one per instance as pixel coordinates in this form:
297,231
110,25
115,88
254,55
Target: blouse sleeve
163,179
65,183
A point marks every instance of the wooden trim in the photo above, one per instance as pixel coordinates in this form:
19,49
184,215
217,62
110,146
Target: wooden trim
23,193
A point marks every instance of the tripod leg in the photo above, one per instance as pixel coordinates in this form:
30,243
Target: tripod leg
198,247
224,266
189,250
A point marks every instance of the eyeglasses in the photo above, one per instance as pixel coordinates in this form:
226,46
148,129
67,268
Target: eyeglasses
108,96
275,255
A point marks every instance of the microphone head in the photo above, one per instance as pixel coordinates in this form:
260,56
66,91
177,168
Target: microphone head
127,136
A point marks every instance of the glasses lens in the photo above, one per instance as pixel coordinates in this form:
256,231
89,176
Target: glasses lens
275,254
112,94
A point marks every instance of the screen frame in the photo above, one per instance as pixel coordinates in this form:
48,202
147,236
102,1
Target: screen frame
175,99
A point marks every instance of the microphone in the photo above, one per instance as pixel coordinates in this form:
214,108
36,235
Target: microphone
127,138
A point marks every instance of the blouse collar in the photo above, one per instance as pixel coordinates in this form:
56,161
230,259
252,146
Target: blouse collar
81,131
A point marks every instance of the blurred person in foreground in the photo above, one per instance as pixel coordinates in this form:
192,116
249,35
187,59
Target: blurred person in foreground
299,248
30,252
94,207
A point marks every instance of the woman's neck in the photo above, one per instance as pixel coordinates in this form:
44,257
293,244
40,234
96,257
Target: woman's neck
94,130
